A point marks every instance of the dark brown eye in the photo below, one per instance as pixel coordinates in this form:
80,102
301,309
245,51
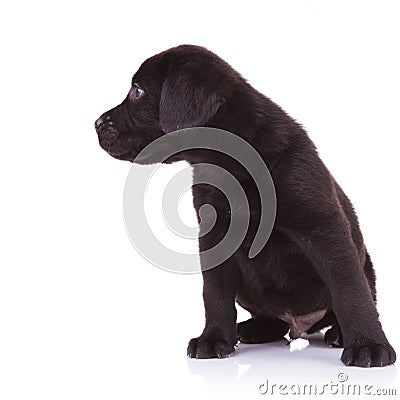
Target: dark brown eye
136,92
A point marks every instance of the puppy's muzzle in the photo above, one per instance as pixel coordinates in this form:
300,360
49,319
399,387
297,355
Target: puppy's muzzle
103,123
99,122
106,131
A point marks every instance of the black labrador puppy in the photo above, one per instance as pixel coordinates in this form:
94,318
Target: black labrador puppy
315,270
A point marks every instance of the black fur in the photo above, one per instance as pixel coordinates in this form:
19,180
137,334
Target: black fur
315,258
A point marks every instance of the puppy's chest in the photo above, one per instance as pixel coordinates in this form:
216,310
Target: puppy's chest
282,283
283,306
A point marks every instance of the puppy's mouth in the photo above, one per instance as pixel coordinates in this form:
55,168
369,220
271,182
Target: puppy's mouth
113,149
109,141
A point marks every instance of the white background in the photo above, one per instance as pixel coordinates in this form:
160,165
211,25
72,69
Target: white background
82,314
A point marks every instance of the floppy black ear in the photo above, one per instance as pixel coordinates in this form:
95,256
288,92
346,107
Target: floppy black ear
189,97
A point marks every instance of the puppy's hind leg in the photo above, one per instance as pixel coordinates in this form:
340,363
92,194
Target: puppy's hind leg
261,330
334,337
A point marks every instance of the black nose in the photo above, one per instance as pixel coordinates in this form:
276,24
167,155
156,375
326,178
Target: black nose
98,123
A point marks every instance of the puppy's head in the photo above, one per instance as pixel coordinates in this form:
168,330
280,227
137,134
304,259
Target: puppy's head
186,86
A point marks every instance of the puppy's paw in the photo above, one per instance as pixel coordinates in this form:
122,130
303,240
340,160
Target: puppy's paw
261,330
209,348
369,355
333,337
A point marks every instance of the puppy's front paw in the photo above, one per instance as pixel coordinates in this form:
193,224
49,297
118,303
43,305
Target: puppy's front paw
369,355
209,348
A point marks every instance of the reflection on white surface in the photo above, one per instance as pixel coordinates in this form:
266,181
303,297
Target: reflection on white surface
255,368
298,344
